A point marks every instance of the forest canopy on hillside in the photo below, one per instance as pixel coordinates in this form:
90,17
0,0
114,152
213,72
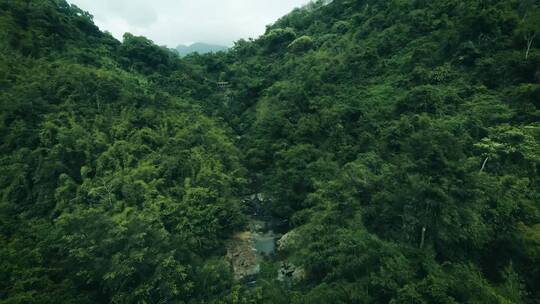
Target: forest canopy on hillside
396,141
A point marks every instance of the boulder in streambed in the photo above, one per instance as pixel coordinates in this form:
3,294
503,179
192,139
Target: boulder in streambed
243,256
288,272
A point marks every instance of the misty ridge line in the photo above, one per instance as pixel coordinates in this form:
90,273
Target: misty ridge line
170,23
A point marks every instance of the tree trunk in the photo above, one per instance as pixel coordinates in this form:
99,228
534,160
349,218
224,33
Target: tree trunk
484,164
529,45
423,237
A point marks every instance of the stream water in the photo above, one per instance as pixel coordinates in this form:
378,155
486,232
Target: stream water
249,248
266,229
265,244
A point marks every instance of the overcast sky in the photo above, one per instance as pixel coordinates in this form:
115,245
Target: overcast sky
173,22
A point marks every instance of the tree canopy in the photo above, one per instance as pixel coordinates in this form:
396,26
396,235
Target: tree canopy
398,140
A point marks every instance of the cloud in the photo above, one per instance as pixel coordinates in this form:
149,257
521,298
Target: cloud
173,22
136,13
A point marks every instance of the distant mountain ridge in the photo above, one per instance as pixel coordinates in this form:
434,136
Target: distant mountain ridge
201,48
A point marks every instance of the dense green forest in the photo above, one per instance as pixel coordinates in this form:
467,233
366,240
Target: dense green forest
398,140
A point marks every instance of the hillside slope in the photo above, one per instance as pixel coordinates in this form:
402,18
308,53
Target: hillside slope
112,190
398,140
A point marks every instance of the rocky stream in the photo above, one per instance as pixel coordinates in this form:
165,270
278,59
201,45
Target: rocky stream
261,240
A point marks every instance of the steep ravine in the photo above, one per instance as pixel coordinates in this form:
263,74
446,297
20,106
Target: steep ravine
247,249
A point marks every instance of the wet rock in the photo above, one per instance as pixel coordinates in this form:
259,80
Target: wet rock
243,256
285,272
288,272
256,226
246,250
258,198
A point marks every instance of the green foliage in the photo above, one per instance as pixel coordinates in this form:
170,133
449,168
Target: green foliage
277,39
114,190
410,128
143,56
397,139
301,44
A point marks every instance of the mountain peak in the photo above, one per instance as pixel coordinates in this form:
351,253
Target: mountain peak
200,47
